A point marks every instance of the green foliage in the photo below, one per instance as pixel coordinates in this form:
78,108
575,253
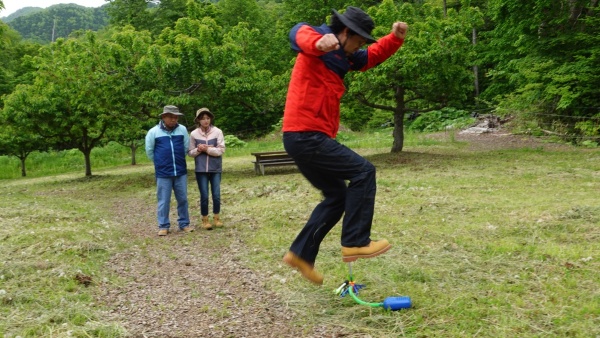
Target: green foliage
438,120
356,116
72,99
313,12
15,65
431,71
59,21
590,127
22,12
233,142
130,12
545,61
539,62
167,13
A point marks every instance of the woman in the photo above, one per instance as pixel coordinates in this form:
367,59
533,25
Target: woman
207,146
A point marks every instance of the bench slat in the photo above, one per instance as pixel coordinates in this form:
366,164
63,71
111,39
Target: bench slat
271,158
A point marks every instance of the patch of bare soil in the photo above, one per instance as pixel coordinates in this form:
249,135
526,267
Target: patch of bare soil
498,139
489,134
192,285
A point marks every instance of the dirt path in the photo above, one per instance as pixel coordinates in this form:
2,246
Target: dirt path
190,285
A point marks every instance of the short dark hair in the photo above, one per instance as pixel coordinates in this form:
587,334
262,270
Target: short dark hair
337,26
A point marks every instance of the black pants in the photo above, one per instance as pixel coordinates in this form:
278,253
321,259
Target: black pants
327,165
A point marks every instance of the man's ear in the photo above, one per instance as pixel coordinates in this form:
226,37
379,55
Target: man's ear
345,32
343,35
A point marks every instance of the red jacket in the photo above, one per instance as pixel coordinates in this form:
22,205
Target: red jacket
317,82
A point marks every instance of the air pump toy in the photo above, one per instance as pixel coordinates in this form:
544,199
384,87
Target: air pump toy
350,287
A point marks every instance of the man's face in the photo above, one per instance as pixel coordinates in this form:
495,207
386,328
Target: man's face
170,120
353,43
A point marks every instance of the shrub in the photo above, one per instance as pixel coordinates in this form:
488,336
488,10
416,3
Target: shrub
438,120
234,142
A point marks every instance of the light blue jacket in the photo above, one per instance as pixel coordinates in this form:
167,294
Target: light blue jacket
167,149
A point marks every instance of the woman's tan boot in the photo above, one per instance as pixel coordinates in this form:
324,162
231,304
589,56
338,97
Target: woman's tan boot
217,221
206,223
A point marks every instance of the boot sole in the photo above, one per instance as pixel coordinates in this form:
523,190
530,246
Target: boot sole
348,259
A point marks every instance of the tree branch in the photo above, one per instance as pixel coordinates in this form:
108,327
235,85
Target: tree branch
362,99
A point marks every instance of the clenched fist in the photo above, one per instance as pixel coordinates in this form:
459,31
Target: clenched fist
400,29
328,42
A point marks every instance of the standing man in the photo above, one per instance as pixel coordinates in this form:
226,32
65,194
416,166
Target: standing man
166,146
310,124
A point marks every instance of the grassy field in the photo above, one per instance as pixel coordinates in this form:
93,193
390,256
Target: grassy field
495,243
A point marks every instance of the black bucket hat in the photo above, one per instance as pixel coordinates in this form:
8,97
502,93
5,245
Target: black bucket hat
358,21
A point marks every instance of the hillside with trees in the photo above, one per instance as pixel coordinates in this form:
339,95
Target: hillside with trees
58,21
21,12
538,64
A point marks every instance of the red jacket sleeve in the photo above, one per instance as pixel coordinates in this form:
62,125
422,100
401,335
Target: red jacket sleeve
382,50
307,38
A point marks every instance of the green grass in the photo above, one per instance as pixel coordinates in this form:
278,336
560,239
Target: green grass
489,243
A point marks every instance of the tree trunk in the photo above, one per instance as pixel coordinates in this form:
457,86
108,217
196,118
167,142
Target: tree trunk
86,149
475,68
133,148
23,171
399,121
88,162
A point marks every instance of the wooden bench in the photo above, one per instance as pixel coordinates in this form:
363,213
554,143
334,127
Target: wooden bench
271,159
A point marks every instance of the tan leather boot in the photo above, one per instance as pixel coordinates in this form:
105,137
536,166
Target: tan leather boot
206,223
217,221
375,248
306,269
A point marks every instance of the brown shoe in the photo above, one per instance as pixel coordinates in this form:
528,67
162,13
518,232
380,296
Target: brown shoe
375,248
206,223
163,232
217,221
306,269
187,229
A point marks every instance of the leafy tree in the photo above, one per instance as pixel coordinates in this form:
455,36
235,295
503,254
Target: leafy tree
232,12
199,63
134,113
20,143
264,46
175,67
15,65
71,99
245,94
546,61
167,14
313,12
130,134
431,71
130,12
151,15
